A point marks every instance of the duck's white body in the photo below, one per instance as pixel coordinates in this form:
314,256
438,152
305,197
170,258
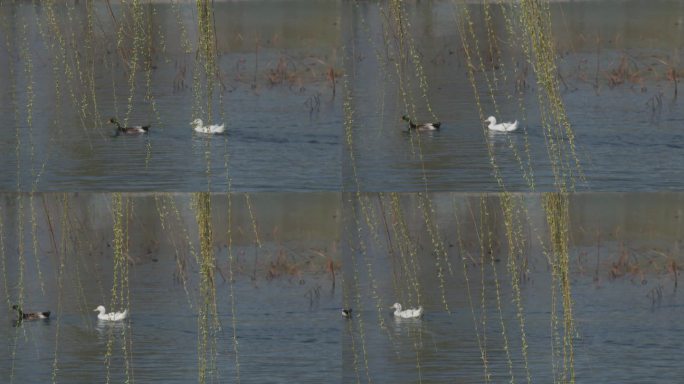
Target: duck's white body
411,313
502,127
199,127
111,316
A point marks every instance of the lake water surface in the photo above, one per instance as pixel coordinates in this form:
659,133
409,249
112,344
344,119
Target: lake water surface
273,92
281,66
279,264
625,304
628,136
278,318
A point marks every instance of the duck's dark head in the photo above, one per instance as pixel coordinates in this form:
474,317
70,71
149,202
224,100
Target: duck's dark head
406,118
113,121
15,307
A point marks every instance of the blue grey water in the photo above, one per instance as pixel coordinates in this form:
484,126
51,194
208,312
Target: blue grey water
288,322
626,314
628,136
279,337
274,94
281,305
287,136
285,118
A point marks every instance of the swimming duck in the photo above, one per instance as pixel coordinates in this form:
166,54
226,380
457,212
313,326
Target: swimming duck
199,127
111,316
411,313
502,127
133,130
347,313
421,127
30,315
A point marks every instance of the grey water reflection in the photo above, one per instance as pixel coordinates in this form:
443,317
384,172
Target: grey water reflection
625,261
285,310
616,82
274,91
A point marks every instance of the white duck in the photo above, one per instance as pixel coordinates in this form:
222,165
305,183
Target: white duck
199,127
407,313
111,316
502,127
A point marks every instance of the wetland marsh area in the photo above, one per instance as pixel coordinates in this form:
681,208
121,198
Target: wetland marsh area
615,76
272,251
262,306
492,318
74,66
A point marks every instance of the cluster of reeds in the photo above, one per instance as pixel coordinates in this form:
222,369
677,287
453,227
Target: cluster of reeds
618,260
627,71
287,264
